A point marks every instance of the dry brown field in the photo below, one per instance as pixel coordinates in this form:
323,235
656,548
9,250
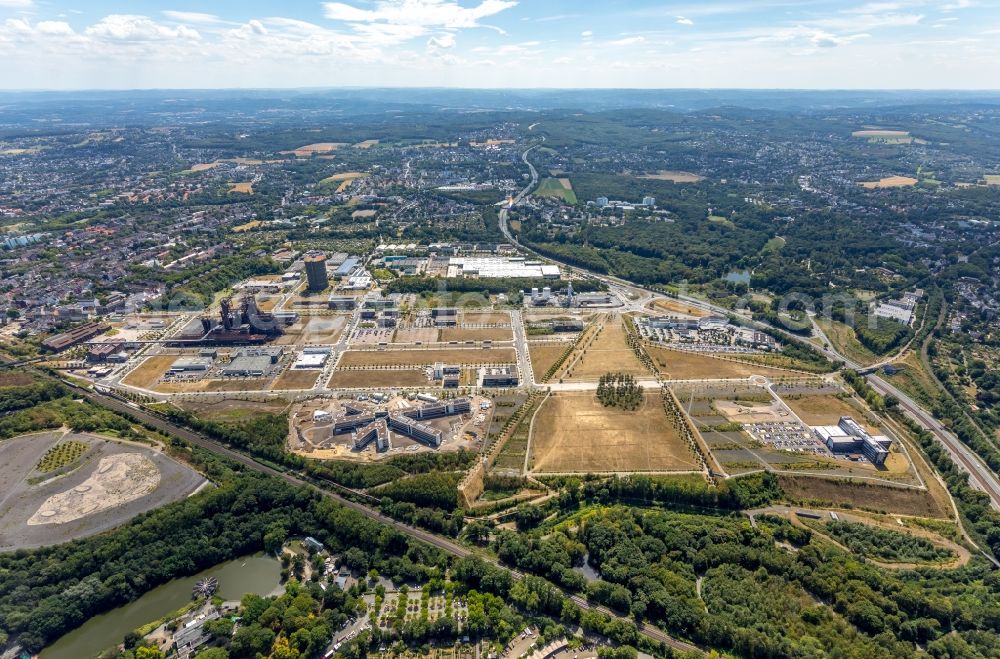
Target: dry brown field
366,144
483,334
319,147
859,494
890,182
235,384
573,432
880,133
447,355
313,330
608,353
366,213
13,379
675,176
267,302
485,317
992,179
303,378
675,306
825,410
680,365
246,187
543,355
378,378
246,227
344,178
149,371
204,166
414,334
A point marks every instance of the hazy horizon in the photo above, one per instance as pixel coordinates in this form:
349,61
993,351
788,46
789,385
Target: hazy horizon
497,44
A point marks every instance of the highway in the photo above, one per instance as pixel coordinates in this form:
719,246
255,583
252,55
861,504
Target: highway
444,544
980,475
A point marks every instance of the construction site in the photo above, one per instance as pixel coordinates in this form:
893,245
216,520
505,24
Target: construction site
373,426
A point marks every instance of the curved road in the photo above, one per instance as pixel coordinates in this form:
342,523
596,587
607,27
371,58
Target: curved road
980,475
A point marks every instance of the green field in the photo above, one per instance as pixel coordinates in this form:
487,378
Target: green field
553,187
775,244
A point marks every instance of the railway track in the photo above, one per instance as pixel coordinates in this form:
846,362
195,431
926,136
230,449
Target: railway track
444,544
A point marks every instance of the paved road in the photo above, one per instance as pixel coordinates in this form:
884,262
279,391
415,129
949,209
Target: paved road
980,475
441,543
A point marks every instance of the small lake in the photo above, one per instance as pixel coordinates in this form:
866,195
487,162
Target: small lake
258,574
738,277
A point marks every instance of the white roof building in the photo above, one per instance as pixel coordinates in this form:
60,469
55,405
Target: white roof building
490,267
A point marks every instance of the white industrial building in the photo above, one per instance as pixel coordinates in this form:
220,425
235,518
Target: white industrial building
492,267
892,312
900,310
311,360
848,436
183,364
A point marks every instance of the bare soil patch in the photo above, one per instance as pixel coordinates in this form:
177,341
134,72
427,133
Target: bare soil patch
607,353
314,330
113,482
303,378
681,365
860,494
675,176
890,182
880,133
416,334
319,147
675,306
148,372
544,355
116,480
485,317
824,410
476,334
448,356
573,432
378,378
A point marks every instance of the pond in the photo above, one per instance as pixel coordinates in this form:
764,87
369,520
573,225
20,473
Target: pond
251,574
738,277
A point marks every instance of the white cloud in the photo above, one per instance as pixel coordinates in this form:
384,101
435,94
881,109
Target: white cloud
684,21
17,26
809,37
54,28
16,4
191,16
586,34
247,30
877,8
424,13
444,41
129,27
866,22
627,41
958,4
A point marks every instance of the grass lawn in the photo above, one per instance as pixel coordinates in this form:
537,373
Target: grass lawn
846,343
554,187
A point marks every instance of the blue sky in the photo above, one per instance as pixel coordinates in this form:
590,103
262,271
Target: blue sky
121,44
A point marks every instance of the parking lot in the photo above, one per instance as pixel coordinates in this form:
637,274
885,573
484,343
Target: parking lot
787,436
